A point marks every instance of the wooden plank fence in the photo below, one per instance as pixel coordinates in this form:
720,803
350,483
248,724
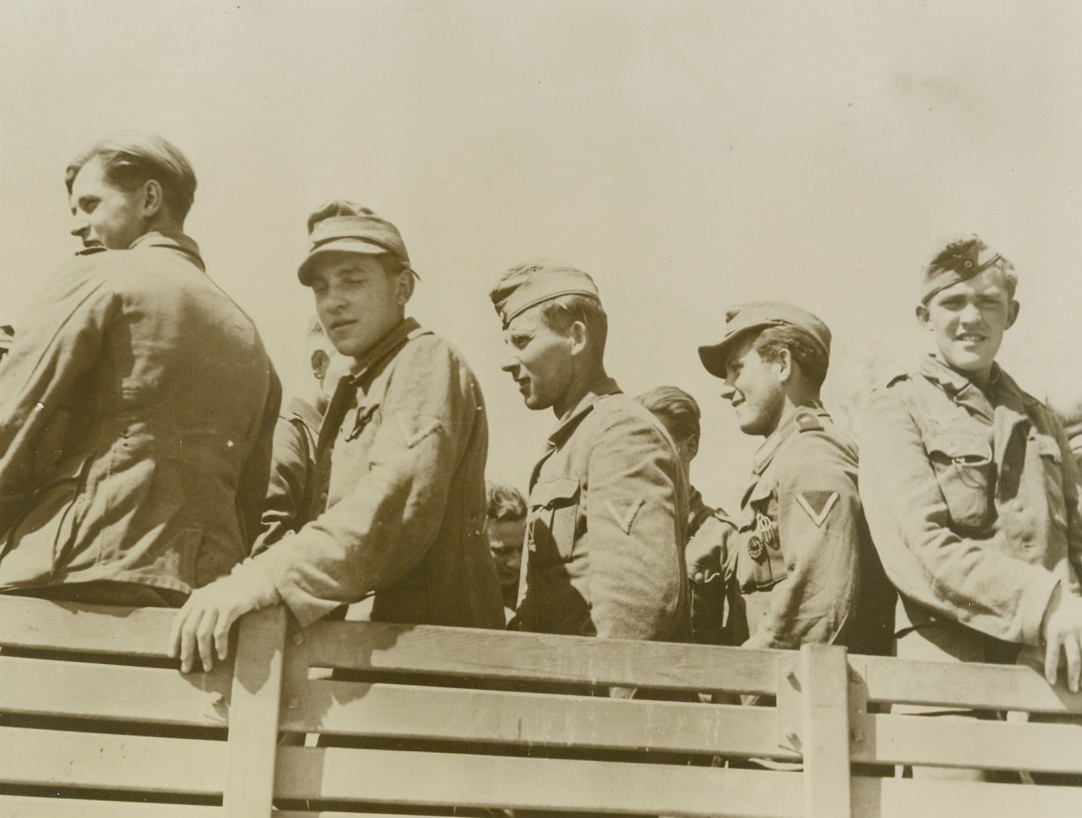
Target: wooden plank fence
348,718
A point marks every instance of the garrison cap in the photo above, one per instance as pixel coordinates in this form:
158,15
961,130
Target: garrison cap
347,227
960,260
761,315
528,285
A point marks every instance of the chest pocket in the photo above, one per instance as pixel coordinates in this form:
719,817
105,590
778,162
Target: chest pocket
966,474
760,561
553,527
1052,470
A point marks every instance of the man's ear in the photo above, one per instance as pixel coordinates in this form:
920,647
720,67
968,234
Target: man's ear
1012,313
320,361
924,319
406,284
692,446
579,336
153,197
785,365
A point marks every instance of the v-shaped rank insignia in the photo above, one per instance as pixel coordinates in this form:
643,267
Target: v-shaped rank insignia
817,504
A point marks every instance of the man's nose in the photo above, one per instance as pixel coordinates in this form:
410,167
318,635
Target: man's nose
970,314
510,364
727,391
80,225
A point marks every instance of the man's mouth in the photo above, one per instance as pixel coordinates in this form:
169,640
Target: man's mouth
971,337
342,323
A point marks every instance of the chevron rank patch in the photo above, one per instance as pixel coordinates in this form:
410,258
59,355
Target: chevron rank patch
817,504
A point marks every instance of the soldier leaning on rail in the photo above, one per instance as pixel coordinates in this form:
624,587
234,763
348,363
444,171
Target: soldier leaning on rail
401,463
804,561
137,404
971,489
717,607
607,500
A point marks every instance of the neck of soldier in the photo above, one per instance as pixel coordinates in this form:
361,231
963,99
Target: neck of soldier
162,222
795,398
582,378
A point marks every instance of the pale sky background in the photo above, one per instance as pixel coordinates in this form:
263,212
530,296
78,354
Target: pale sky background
689,155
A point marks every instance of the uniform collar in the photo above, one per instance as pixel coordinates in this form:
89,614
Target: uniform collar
790,423
309,415
599,388
174,240
1002,389
385,345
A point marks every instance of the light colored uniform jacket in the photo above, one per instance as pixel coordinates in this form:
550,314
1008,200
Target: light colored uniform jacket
137,410
973,501
401,475
605,530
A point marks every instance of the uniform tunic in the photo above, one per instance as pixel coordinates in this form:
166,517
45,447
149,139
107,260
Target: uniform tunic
605,528
717,609
137,410
802,539
973,501
401,471
293,473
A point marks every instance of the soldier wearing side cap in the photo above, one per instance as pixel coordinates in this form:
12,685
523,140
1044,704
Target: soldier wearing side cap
971,489
608,499
400,463
805,561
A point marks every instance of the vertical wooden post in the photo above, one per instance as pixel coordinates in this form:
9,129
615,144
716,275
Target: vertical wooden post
825,740
253,716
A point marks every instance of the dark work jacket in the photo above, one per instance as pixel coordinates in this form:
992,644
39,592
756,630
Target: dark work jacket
137,410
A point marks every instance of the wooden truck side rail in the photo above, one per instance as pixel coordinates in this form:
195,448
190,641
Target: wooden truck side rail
347,718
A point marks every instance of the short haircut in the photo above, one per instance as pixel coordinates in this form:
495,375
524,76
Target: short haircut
505,502
561,312
132,158
807,354
676,409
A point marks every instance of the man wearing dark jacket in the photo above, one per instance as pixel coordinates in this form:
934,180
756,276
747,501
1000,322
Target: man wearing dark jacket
137,405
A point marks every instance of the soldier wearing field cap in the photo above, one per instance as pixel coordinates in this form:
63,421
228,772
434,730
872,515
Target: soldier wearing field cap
400,463
804,558
608,499
970,486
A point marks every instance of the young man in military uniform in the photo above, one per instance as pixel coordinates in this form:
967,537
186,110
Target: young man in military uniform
804,557
607,500
971,489
137,404
717,608
401,460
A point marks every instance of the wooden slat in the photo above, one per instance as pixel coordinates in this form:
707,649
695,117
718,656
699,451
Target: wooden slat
824,684
44,625
253,720
905,798
114,692
61,758
951,684
406,711
992,745
17,806
539,657
459,779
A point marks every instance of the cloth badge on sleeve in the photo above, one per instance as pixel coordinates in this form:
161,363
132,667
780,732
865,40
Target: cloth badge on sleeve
625,520
817,504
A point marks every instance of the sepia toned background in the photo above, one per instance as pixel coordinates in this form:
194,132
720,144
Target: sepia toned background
689,155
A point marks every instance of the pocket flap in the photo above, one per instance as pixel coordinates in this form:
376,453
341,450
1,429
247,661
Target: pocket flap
962,449
560,491
1048,446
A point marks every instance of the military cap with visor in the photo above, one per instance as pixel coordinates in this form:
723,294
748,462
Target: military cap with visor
346,227
761,315
528,285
